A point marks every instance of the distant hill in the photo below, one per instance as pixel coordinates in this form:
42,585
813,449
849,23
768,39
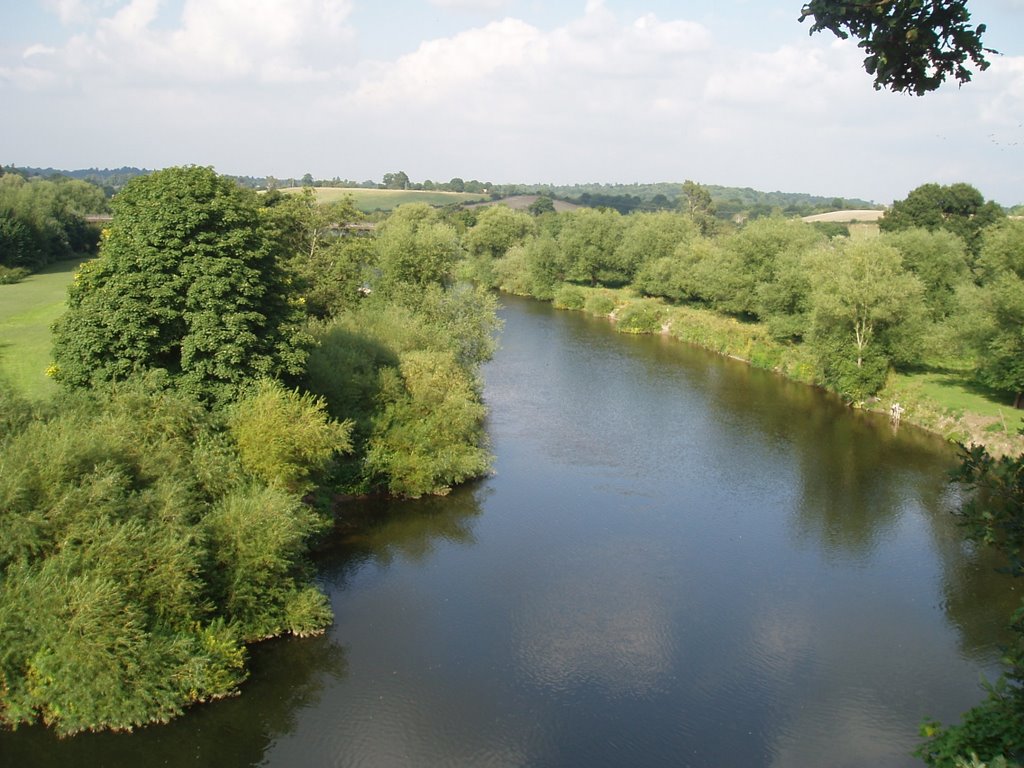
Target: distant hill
730,202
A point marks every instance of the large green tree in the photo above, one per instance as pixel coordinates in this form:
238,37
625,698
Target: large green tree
589,241
414,249
958,208
911,45
186,282
866,314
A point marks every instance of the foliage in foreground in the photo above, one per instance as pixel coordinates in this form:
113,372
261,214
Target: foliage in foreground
140,553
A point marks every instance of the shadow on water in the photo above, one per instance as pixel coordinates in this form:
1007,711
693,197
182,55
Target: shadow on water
382,530
288,676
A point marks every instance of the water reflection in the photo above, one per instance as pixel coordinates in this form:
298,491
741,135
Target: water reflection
381,530
619,636
288,676
860,480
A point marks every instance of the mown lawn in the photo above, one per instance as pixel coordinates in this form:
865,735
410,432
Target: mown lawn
27,310
368,200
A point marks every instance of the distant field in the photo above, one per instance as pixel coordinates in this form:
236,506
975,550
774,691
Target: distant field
523,203
844,217
27,309
368,200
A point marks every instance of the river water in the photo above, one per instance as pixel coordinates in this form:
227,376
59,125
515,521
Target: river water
679,560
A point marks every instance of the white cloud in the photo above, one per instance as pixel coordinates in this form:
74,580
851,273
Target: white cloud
213,41
78,11
38,50
440,68
605,95
471,5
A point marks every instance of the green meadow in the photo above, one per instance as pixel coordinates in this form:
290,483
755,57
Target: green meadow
27,310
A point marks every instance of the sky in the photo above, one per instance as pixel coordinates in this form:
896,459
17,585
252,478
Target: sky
729,92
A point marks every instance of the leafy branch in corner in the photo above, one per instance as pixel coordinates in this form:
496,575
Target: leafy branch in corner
912,45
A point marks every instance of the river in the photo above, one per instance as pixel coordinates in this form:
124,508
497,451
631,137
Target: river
679,560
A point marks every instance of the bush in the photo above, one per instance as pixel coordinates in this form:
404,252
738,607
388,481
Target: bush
284,436
600,304
136,556
569,297
429,434
640,317
10,276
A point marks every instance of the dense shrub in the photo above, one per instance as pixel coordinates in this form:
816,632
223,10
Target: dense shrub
600,304
429,434
285,436
407,379
569,297
9,276
137,555
640,317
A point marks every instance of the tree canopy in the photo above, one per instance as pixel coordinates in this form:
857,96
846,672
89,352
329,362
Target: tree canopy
912,46
186,282
958,208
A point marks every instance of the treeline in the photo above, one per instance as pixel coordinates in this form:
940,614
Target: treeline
231,365
43,221
942,281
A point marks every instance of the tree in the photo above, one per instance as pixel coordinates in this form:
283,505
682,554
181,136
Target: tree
414,249
912,46
313,239
589,241
939,259
542,204
399,180
186,282
696,202
651,236
497,229
958,208
866,315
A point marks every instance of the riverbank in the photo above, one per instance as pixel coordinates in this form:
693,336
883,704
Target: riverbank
941,400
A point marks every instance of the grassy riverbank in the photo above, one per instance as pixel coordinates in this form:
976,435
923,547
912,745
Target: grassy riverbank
27,310
943,400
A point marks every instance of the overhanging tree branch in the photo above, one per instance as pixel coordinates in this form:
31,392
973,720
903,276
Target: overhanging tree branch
912,45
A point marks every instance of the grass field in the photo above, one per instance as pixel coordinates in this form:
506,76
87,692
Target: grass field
369,200
27,309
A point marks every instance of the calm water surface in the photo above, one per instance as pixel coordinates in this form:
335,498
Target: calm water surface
678,561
